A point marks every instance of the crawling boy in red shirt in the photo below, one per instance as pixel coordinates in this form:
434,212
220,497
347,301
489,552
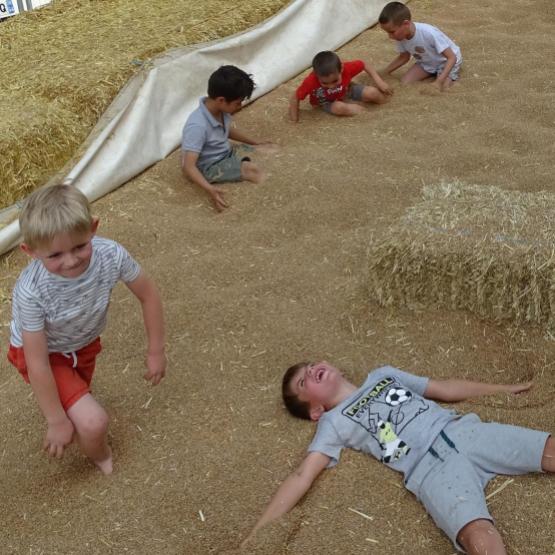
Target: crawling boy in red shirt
329,86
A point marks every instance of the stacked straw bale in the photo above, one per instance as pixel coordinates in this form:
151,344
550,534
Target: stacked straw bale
61,66
470,247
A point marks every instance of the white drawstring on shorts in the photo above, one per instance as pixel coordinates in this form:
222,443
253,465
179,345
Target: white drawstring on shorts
73,355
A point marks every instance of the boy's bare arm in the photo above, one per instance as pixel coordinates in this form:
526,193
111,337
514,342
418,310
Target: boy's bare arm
380,83
190,170
145,290
294,108
460,390
237,135
292,489
60,429
399,61
451,61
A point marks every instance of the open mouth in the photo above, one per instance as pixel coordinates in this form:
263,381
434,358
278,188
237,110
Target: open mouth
320,374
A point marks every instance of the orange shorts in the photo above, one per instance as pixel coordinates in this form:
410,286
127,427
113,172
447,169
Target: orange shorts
72,382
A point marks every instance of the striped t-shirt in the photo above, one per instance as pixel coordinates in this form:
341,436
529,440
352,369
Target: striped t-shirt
71,311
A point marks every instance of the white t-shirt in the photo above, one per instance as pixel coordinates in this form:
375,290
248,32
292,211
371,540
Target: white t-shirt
71,311
426,47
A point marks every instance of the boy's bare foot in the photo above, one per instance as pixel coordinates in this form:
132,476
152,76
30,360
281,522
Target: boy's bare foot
106,465
251,172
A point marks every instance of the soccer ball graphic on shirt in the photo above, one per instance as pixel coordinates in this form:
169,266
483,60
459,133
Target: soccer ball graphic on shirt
396,395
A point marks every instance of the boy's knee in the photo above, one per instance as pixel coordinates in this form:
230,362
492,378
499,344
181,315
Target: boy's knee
481,536
94,424
372,94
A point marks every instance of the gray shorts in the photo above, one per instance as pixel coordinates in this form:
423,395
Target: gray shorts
450,479
453,74
228,168
353,93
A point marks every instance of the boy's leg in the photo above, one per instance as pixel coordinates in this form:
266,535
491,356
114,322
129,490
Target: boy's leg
480,537
340,108
251,172
414,74
91,427
366,94
548,458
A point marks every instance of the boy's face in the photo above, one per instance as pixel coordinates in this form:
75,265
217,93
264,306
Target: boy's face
229,107
68,255
317,383
397,32
330,81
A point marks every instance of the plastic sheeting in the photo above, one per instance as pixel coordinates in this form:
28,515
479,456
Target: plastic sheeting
144,122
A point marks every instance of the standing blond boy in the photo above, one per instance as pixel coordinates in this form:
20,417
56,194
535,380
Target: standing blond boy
59,309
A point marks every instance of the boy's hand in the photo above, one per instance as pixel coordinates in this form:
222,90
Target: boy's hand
385,88
58,435
156,364
217,197
517,388
440,84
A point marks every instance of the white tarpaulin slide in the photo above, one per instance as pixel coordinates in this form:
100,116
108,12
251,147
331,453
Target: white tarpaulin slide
144,122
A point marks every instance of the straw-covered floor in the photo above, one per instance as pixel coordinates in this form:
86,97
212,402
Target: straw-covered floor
477,248
282,276
62,65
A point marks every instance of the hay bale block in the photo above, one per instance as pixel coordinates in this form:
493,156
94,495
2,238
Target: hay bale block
469,247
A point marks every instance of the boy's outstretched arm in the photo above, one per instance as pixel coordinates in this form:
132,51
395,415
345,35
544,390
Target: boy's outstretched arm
380,83
460,390
190,170
292,490
236,135
294,108
145,290
399,61
60,428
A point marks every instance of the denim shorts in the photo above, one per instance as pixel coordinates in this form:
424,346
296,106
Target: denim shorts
229,167
450,478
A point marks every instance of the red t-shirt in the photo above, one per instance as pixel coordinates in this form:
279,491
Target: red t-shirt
320,95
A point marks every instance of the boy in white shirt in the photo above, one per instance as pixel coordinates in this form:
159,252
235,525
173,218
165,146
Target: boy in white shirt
59,309
435,53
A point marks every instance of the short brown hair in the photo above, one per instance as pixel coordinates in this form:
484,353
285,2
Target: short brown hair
49,211
325,63
298,408
395,12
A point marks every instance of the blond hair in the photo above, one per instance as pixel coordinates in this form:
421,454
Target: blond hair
53,210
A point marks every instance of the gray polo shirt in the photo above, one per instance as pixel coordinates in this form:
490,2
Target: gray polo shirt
204,134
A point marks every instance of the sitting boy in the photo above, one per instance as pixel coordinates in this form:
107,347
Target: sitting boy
435,53
329,85
207,156
59,307
447,459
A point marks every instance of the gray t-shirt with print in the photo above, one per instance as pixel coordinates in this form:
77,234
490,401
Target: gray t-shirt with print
387,417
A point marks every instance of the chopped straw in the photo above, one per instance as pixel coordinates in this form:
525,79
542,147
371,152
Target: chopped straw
61,66
468,247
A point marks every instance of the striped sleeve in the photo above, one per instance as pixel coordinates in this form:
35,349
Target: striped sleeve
28,311
129,268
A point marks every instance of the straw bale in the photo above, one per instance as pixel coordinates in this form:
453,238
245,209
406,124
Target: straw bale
469,247
62,65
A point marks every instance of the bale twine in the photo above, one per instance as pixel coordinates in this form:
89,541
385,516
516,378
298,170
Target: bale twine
470,247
